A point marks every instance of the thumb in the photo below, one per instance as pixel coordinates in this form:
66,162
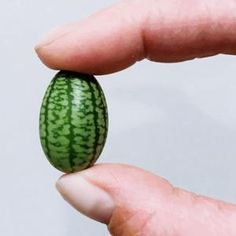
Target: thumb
132,201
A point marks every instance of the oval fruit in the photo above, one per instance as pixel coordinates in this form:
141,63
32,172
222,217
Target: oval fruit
73,121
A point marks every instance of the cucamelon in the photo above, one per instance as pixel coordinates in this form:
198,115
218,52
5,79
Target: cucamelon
73,121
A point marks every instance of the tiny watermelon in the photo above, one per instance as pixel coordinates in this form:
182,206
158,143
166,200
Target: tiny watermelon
73,121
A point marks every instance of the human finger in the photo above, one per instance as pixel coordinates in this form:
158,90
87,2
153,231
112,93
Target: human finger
159,30
132,201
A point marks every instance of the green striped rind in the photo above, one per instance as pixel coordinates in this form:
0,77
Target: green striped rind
73,121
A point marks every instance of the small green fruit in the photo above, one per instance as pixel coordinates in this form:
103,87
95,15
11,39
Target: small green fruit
73,121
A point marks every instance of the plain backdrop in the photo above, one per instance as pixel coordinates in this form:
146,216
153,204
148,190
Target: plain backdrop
176,120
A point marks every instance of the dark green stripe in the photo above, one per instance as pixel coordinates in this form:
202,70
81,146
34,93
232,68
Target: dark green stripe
46,115
71,135
95,115
103,103
104,112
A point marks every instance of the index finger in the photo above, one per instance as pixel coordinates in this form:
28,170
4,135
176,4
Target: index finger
159,30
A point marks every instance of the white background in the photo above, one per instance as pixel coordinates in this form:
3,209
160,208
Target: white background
176,120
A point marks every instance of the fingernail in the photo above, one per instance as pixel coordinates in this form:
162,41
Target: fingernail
87,198
52,36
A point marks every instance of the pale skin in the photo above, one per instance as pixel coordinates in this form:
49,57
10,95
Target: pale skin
130,200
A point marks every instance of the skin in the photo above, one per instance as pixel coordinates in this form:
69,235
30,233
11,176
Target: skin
129,200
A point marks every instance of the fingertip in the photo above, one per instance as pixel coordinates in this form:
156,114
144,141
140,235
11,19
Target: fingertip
104,43
45,55
58,184
44,48
86,197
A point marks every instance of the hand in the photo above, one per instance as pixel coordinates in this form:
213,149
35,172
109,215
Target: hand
129,200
